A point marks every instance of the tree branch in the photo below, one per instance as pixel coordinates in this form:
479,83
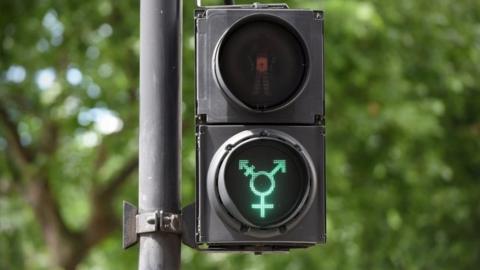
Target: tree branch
50,137
117,180
68,247
13,171
103,219
6,186
60,240
21,154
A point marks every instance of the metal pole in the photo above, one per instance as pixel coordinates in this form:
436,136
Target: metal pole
160,130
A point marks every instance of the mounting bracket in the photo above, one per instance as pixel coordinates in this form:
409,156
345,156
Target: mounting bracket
147,222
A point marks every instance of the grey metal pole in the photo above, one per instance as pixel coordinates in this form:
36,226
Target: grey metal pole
160,129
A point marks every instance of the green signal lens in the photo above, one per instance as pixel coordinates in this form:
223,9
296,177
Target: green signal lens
264,182
249,171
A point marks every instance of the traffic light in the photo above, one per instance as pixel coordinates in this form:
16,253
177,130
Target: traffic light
260,128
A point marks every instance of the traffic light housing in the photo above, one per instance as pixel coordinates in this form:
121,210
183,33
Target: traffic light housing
260,128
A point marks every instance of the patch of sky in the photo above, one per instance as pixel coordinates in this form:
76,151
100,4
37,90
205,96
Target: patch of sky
105,30
43,45
105,70
45,78
105,121
88,139
16,74
93,90
92,52
74,76
54,26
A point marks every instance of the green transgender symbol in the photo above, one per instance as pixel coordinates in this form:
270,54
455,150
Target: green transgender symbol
249,171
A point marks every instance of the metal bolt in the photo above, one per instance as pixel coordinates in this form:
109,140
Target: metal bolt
151,220
298,147
243,228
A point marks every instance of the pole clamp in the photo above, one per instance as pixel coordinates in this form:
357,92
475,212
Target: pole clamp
147,222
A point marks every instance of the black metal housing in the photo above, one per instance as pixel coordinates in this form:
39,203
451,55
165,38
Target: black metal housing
300,121
216,105
215,229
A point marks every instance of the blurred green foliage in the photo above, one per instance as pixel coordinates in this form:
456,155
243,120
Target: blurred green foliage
403,130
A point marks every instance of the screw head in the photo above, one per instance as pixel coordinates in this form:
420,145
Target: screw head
151,220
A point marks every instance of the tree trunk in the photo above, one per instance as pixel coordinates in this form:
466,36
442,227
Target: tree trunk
65,247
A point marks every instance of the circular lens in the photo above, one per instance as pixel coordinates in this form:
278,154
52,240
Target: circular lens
264,183
262,64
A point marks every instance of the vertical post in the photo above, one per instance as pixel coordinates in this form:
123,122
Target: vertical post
160,129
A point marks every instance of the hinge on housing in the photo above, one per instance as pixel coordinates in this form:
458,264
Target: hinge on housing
267,5
245,6
148,222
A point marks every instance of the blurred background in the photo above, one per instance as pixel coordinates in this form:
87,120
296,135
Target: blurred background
403,133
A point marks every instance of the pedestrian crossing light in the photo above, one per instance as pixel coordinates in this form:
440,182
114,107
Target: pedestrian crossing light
260,128
270,186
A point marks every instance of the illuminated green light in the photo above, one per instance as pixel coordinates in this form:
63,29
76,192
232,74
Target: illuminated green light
249,171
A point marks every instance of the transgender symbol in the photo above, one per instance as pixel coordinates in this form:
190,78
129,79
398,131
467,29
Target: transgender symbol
249,171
